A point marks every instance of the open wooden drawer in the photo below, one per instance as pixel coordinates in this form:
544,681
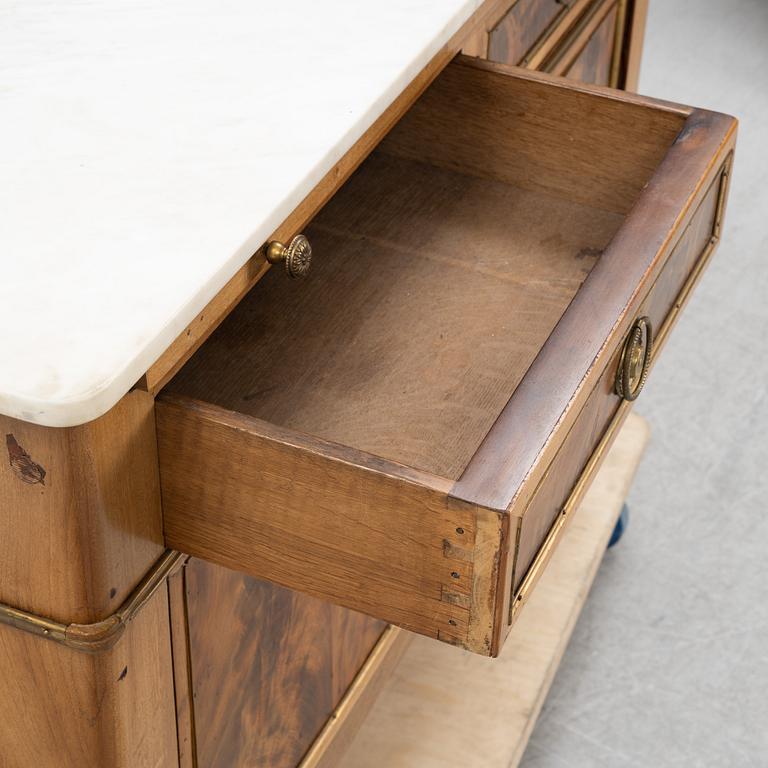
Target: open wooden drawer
407,431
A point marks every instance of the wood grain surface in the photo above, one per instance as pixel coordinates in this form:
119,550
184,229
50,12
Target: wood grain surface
555,35
268,666
81,521
61,708
182,682
521,27
538,133
506,471
80,527
340,729
431,295
329,521
592,62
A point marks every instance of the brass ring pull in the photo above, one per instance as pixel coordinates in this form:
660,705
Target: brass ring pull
635,360
297,256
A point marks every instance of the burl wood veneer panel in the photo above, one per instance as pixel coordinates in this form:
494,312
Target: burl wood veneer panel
268,666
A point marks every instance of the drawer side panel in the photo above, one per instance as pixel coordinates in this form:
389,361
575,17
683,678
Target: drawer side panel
317,518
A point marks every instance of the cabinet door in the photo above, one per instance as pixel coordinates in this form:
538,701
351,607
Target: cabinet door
265,666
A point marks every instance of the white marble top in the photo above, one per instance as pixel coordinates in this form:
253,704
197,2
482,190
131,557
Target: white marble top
147,149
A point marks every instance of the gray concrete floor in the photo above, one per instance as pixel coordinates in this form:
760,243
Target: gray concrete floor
668,665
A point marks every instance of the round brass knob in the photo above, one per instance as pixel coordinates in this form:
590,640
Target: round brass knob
297,255
635,360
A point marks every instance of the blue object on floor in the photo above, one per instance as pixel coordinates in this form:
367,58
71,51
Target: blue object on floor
621,526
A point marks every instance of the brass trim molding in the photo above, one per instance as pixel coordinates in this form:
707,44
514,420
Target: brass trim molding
101,635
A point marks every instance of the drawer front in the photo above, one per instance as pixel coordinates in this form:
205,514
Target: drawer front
521,28
401,434
581,452
581,39
593,63
591,52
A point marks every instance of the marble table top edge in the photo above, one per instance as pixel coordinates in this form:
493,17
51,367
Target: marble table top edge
80,351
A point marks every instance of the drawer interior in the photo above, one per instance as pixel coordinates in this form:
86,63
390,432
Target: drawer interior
431,293
441,268
405,432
